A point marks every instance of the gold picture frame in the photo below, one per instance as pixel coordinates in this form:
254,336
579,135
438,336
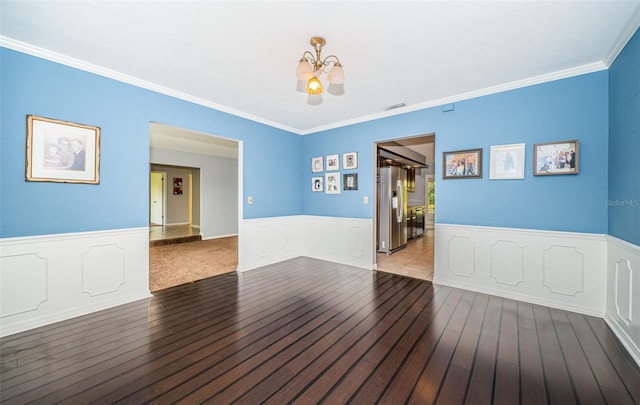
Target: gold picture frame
62,152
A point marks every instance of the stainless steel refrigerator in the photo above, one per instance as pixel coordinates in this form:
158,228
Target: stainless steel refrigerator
392,209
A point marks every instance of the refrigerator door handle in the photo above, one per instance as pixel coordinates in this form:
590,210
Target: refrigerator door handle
401,197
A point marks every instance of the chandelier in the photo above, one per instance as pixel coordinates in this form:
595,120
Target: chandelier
310,67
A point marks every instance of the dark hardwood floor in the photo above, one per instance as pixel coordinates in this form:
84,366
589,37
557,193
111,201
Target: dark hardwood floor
308,331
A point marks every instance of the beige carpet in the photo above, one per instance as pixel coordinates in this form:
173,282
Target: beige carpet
182,263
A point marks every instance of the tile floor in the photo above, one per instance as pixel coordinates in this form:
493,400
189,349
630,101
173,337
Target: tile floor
415,260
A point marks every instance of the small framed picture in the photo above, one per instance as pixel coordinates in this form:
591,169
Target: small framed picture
333,162
556,158
61,151
332,183
507,162
350,160
317,165
317,184
350,181
462,164
177,186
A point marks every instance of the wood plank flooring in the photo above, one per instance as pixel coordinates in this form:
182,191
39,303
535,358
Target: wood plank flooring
309,331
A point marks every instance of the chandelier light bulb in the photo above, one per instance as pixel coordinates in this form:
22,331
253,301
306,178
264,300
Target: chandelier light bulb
314,86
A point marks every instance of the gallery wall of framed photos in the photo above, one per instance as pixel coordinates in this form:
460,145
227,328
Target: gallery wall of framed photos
507,162
332,182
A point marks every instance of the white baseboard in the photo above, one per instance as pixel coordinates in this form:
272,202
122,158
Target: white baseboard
562,270
623,293
50,278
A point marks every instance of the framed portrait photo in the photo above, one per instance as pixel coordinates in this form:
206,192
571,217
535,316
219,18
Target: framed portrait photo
333,162
350,160
462,164
61,151
556,158
332,183
507,162
317,165
317,184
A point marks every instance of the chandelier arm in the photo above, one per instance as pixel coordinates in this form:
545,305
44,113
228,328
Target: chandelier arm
326,60
308,56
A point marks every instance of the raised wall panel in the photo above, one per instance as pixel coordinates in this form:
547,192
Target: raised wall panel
461,255
333,243
563,270
23,283
623,291
103,269
507,262
288,237
356,242
263,241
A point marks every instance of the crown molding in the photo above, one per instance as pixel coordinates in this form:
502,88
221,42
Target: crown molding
630,28
561,74
134,81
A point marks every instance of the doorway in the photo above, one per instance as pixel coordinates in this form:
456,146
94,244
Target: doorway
197,169
416,156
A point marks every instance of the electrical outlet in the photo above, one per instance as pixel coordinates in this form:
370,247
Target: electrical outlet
365,200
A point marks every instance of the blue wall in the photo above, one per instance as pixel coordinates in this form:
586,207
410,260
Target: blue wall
574,108
624,143
277,170
35,86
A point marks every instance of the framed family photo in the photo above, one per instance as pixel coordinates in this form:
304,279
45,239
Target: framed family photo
507,162
462,164
333,162
556,158
61,151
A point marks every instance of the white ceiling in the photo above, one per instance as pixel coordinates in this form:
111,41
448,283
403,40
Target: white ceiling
240,56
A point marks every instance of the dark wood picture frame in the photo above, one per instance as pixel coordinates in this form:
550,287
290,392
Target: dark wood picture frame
462,164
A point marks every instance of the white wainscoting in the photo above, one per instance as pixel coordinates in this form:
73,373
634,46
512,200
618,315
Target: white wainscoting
623,293
341,240
557,269
46,279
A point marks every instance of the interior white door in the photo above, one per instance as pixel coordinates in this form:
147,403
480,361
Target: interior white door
156,198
